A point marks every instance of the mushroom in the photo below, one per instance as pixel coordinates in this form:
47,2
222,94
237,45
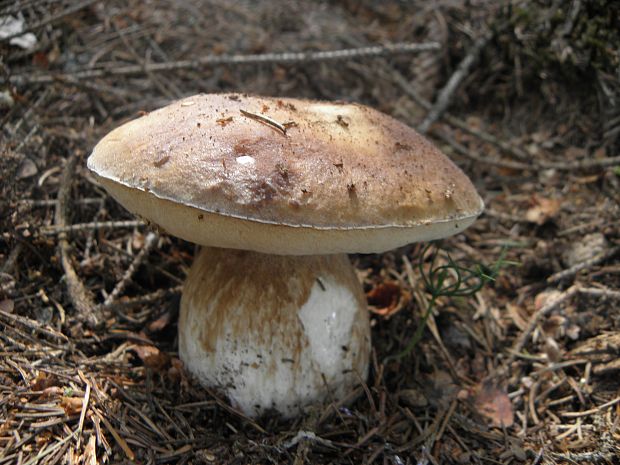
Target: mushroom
278,191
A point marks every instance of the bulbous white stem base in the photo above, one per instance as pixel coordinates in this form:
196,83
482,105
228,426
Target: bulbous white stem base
274,332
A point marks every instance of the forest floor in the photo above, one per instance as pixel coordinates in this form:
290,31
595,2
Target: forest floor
524,96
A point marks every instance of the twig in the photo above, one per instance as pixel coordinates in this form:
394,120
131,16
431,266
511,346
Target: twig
445,422
145,299
151,424
239,59
504,216
27,137
265,120
27,116
462,70
600,292
536,317
117,437
234,411
531,401
52,202
84,409
78,294
149,242
157,82
44,452
90,236
11,260
560,365
582,227
573,270
585,413
57,229
580,164
33,326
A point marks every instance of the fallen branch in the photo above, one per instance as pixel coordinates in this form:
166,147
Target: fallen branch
237,59
80,297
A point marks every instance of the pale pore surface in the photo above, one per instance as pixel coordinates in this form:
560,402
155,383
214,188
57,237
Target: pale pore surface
274,332
212,229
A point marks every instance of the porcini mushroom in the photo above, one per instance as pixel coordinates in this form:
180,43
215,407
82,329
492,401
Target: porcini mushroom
278,191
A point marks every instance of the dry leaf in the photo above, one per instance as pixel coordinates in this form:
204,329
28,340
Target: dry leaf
387,298
71,405
554,325
517,316
160,323
177,374
43,381
152,357
494,404
545,297
542,210
42,439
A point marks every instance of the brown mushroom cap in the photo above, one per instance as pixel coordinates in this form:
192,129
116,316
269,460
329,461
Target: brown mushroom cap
284,176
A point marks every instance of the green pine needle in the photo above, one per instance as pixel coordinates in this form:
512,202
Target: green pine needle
450,280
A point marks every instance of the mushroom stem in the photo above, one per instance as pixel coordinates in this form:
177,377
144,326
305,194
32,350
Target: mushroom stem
274,332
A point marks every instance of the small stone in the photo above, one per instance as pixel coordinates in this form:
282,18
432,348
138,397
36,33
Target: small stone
27,169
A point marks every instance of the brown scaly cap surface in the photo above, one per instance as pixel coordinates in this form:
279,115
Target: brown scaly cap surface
335,167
